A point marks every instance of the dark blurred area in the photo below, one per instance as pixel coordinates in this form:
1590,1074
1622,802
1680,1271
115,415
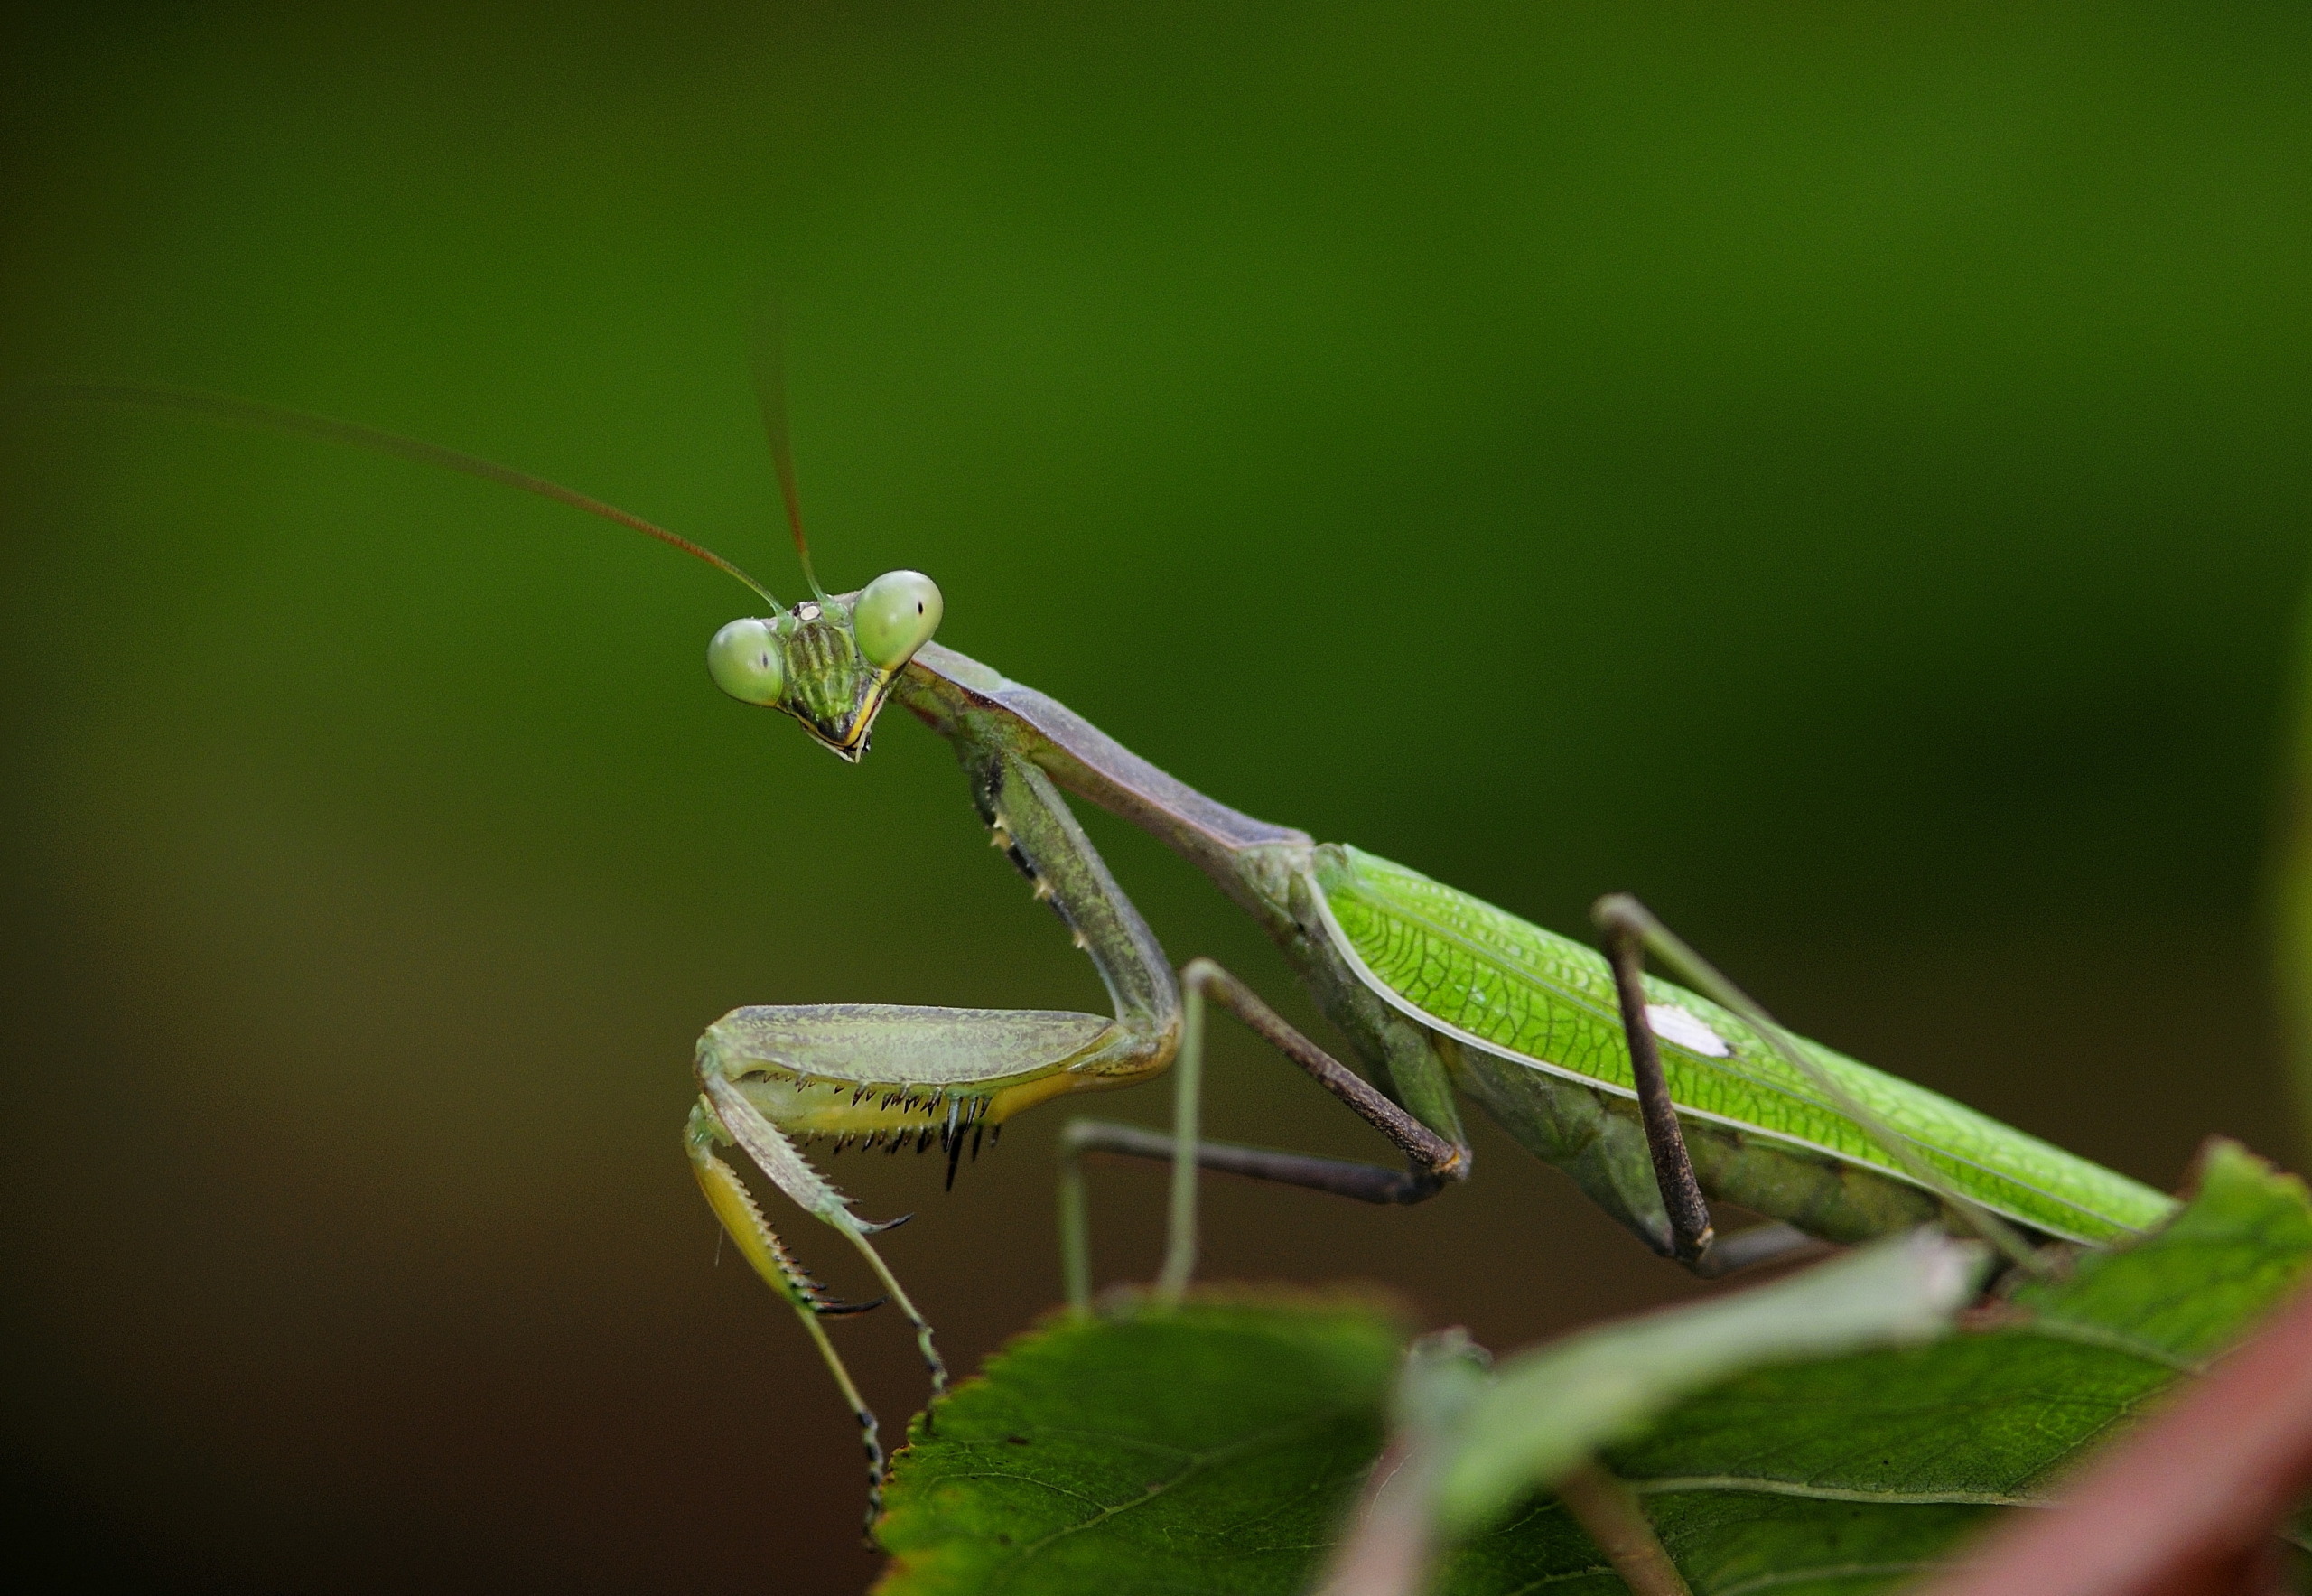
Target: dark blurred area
1839,474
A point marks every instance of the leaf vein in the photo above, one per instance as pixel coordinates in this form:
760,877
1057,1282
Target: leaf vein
1765,1486
1844,1570
1198,1464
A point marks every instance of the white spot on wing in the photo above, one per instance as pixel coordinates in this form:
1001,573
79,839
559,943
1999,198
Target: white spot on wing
1675,1024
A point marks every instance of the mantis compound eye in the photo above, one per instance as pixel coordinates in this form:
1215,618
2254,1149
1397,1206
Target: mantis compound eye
747,662
894,616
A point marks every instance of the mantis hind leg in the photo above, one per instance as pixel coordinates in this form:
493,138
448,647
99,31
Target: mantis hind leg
1630,933
1692,1233
1432,1159
1695,1241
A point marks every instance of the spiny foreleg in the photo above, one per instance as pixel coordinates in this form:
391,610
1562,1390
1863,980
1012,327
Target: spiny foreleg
762,1248
767,1148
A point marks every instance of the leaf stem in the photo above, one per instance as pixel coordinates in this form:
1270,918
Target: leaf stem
1609,1510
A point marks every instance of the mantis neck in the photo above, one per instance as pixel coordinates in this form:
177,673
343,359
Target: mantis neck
972,706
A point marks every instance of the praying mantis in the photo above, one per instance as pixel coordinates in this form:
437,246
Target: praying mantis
1652,1098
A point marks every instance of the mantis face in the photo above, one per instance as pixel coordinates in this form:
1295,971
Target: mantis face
830,663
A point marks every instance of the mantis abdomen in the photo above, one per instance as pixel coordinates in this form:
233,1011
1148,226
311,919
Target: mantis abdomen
1513,1002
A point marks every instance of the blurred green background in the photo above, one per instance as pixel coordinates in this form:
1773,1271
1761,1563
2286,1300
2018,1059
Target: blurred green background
1840,473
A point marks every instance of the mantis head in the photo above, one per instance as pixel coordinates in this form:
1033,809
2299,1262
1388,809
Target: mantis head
830,663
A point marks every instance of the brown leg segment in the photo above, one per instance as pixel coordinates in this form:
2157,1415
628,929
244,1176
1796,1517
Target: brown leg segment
1431,1154
1343,1177
1674,1171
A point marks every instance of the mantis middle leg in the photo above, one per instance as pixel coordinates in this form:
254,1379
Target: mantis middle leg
1432,1159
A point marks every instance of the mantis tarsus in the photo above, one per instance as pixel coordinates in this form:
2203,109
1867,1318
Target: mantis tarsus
1654,1098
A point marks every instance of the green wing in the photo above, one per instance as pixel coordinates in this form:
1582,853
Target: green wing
1515,990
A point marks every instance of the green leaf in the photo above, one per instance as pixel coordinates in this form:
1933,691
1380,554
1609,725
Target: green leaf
1853,1473
1552,1409
1215,1447
2238,1247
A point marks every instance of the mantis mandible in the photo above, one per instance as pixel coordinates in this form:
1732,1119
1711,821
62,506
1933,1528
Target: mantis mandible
1654,1098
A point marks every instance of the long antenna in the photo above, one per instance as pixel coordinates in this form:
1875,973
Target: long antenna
255,413
767,355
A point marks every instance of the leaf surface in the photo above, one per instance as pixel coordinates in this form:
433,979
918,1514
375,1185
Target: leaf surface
1553,1407
1220,1447
1210,1449
1853,1473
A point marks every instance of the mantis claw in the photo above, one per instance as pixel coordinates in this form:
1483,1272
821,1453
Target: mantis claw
829,1308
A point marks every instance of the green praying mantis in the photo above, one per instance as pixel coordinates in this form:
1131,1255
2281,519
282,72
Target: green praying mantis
1654,1098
